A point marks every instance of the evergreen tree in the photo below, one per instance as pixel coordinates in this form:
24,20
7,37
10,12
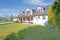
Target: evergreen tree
2,18
11,17
54,14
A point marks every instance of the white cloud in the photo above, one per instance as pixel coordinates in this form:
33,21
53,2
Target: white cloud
37,2
5,11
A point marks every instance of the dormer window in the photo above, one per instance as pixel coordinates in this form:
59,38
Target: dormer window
22,13
28,12
39,11
43,8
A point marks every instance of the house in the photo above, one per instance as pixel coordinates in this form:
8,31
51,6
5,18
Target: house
15,18
36,16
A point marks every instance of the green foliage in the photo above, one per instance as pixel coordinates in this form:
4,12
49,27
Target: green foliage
54,14
1,18
36,33
11,17
20,21
17,21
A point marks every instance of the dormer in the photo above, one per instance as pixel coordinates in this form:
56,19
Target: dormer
40,10
28,11
22,13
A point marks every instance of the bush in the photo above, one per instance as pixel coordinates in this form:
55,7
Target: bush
54,14
20,21
17,21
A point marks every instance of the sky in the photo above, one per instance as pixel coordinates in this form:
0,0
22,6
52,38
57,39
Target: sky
13,7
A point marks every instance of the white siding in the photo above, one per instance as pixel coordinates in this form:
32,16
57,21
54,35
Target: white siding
40,21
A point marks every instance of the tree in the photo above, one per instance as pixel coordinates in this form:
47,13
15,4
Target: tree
54,14
11,17
1,18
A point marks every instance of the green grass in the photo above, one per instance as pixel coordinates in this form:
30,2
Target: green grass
16,31
36,33
6,29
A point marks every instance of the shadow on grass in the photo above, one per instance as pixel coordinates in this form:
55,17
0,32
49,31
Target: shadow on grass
11,37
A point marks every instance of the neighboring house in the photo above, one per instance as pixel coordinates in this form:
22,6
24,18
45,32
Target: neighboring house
34,16
15,18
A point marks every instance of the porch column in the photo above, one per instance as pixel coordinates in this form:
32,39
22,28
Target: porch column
22,19
29,19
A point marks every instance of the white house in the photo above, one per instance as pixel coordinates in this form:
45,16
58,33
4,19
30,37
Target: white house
37,16
15,18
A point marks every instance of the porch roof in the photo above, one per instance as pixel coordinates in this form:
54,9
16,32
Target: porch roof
32,15
27,16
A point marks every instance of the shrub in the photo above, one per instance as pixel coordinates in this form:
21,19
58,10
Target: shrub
20,21
17,21
54,14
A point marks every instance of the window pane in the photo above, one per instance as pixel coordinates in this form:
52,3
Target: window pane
38,17
28,12
39,10
44,17
26,18
31,18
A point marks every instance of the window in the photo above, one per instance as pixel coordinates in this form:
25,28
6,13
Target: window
43,8
31,18
39,10
28,12
38,17
26,18
44,17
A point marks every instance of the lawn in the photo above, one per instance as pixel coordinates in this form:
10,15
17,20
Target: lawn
27,32
6,29
35,33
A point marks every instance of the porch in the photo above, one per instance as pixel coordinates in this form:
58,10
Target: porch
28,20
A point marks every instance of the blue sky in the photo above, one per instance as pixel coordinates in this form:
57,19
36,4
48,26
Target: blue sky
8,7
